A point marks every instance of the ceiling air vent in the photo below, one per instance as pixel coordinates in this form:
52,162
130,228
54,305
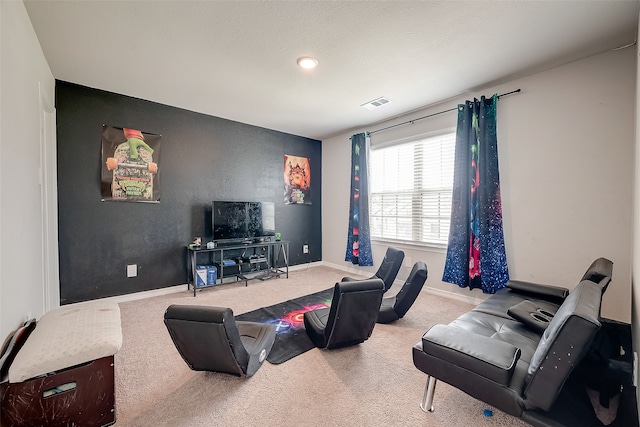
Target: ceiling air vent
379,102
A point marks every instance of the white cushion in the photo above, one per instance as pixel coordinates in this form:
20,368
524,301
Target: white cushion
68,336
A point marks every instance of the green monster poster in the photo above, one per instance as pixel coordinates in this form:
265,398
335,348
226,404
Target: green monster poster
130,165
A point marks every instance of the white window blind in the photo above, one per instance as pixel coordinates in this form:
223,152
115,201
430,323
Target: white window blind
410,190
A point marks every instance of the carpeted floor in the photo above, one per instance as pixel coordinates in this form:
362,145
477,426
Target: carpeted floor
371,384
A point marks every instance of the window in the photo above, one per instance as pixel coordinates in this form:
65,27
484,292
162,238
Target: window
411,187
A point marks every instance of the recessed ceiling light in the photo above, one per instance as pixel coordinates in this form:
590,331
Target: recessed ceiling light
307,62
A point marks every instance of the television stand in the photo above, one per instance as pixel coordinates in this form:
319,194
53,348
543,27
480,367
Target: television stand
268,255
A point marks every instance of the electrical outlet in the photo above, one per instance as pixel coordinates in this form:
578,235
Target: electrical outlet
305,249
132,270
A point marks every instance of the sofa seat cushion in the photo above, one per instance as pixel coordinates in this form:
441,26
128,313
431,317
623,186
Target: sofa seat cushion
500,329
491,359
66,337
506,397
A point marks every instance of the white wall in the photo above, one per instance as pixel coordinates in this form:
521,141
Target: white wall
635,313
25,82
566,146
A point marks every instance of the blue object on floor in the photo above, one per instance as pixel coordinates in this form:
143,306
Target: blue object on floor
487,412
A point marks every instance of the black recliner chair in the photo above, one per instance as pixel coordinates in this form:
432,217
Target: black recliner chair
388,269
210,339
351,317
395,307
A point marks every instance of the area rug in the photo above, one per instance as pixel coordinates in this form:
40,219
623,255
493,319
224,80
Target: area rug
288,317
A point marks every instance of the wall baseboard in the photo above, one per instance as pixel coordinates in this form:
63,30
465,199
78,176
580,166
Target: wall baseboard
453,295
351,270
300,267
176,288
138,295
428,289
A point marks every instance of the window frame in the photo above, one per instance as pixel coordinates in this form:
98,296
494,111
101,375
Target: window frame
415,244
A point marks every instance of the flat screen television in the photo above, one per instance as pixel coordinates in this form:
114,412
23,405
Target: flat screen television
242,221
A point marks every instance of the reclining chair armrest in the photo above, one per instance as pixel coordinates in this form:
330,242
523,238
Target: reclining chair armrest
490,358
553,293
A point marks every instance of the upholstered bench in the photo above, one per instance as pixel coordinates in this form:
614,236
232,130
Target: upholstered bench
60,370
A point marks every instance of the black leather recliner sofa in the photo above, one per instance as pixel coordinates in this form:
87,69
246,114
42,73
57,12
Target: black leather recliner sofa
517,350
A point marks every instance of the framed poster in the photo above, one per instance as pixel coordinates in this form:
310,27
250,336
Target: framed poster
130,165
297,180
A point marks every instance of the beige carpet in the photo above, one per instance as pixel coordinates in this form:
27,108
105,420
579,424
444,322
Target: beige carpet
371,384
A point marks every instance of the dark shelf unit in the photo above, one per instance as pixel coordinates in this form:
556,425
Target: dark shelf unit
262,262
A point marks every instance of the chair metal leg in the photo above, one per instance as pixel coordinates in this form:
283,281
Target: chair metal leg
427,400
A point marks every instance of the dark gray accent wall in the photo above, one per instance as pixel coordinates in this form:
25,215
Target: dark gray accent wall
204,158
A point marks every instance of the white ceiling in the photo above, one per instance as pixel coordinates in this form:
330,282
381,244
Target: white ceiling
237,59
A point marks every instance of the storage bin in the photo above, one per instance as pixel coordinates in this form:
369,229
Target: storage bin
212,275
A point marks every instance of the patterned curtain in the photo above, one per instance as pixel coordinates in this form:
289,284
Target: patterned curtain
476,255
358,240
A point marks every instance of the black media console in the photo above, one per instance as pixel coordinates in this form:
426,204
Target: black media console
257,260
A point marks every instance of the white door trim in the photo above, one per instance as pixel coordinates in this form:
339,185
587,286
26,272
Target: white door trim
49,204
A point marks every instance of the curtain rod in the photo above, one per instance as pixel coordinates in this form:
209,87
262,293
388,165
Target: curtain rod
434,114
